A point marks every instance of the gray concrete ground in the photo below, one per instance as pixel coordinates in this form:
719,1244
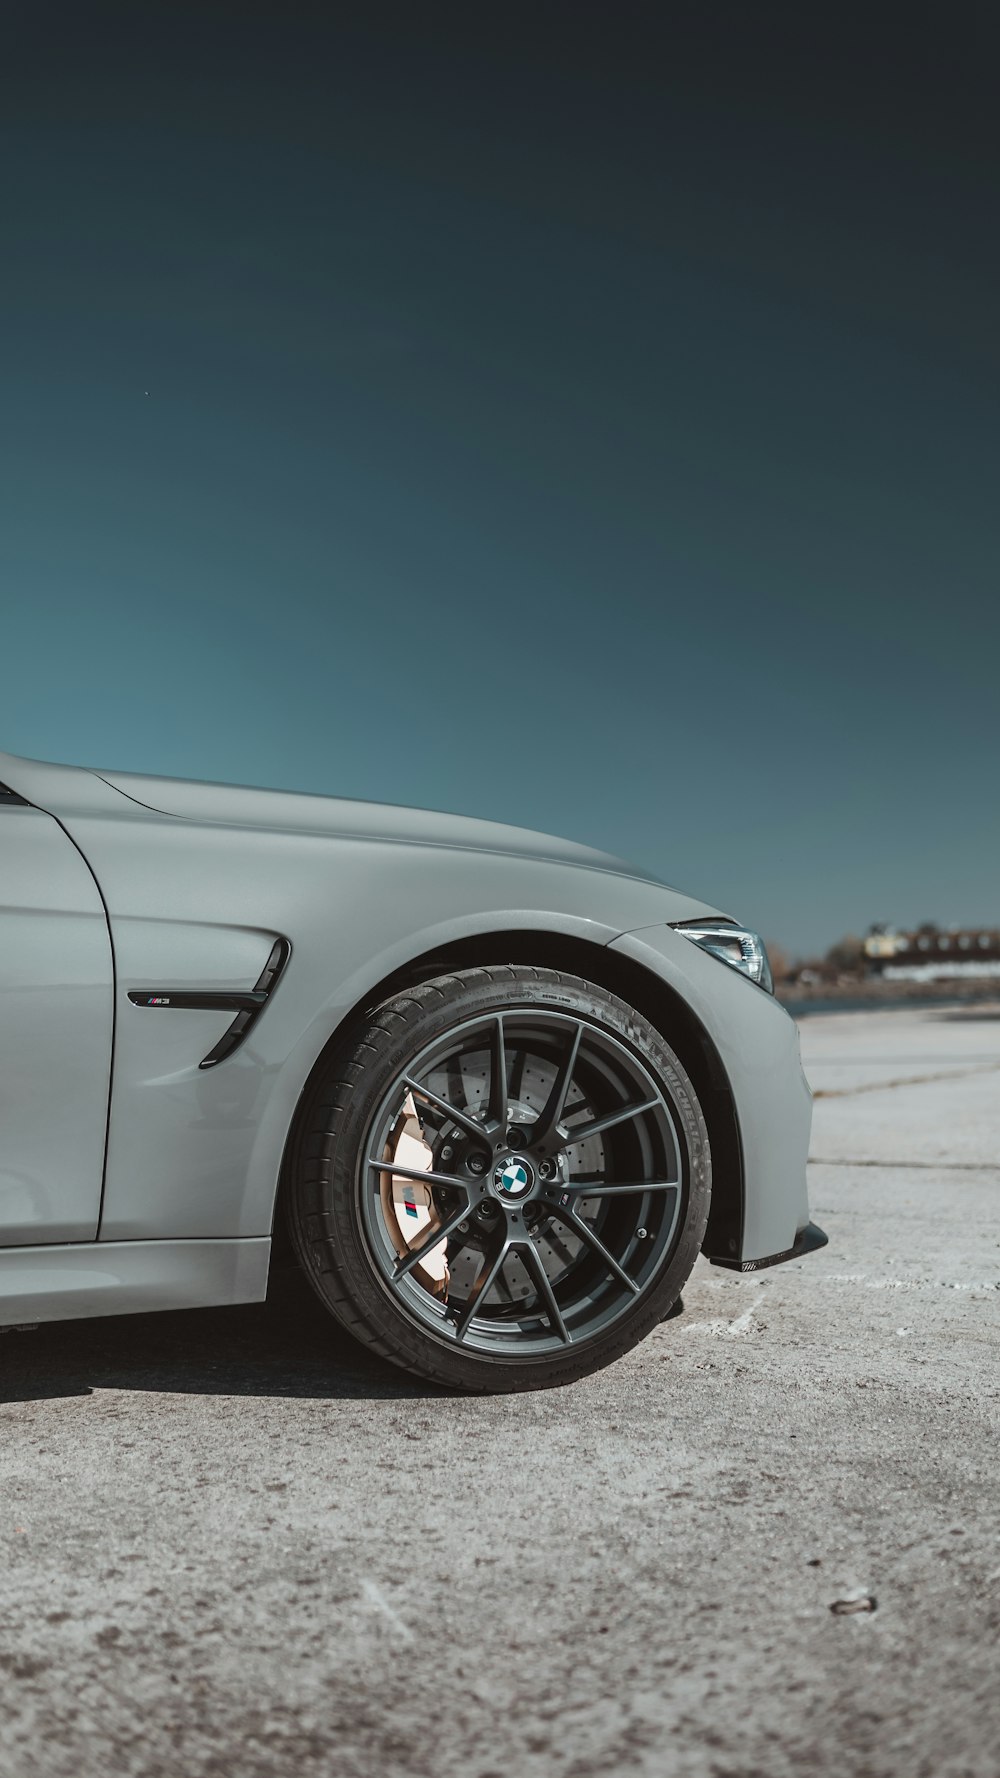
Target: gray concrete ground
234,1545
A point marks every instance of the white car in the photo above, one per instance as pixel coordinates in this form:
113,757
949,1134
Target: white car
502,1089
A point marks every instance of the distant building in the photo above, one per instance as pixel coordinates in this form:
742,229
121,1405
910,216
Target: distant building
931,953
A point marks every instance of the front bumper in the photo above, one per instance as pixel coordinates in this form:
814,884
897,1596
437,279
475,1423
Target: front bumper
757,1045
806,1241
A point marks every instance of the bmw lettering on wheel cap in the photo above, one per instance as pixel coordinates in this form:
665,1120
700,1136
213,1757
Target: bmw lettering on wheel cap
513,1178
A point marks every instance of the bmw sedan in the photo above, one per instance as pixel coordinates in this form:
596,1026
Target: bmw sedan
500,1090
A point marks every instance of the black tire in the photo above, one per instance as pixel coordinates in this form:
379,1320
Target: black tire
578,1310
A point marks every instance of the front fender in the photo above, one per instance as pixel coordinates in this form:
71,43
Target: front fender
197,1153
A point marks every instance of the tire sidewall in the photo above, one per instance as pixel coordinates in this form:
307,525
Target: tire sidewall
339,1257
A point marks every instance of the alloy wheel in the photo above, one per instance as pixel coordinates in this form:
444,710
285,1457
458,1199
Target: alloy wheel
522,1183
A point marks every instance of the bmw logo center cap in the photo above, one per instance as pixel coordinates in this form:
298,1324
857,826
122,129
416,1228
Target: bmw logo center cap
513,1178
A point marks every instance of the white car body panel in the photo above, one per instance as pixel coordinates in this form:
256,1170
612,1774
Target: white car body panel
56,1013
125,1277
761,1053
199,881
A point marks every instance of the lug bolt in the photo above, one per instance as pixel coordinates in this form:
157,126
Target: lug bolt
546,1170
515,1137
477,1164
447,1152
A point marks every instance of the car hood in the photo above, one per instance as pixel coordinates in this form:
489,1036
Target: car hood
72,793
295,812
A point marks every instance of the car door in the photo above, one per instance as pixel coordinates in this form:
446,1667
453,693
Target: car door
56,1032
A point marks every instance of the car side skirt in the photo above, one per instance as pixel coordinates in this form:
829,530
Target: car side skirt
129,1277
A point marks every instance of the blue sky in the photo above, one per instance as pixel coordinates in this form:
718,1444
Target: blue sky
590,428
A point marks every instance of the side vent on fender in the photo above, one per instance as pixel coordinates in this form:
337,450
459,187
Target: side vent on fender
247,1006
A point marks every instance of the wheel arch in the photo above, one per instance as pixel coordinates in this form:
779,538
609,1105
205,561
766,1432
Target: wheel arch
640,987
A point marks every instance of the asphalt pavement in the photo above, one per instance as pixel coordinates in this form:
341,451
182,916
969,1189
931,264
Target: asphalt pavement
766,1543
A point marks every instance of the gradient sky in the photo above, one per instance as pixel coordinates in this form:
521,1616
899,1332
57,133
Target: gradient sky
581,416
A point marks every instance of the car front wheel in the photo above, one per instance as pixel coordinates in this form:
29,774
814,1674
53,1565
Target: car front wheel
501,1180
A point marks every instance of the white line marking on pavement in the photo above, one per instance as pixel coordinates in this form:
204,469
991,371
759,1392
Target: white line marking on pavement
913,1283
727,1330
742,1323
377,1598
910,1080
816,1160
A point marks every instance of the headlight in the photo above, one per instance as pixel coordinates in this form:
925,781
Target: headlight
734,945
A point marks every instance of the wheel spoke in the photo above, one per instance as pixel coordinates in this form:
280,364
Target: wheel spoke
399,1172
434,1238
464,1119
497,1111
598,1124
545,1126
610,1188
594,1242
485,1279
533,1263
541,1080
517,1072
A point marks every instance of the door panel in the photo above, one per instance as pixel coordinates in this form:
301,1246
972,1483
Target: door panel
56,1026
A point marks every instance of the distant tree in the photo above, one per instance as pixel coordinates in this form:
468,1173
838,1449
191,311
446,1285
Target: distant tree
847,954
